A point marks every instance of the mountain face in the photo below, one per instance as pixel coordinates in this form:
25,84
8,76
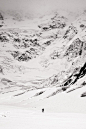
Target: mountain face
47,51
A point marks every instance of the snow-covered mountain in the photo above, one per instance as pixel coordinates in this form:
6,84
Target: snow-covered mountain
46,54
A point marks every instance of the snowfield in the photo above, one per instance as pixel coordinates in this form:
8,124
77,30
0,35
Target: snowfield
21,118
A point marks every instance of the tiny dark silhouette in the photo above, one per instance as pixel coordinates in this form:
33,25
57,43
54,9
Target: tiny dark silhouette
42,109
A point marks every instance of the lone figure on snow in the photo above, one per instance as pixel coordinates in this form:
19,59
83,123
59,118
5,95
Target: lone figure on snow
42,109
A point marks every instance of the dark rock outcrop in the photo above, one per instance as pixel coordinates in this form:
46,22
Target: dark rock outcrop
83,95
74,50
3,38
1,69
70,32
58,22
1,17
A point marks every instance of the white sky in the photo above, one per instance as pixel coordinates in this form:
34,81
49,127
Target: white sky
43,5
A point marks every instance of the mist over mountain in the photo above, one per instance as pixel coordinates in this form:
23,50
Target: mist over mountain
42,6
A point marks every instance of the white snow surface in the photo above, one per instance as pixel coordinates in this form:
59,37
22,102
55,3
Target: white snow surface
21,118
